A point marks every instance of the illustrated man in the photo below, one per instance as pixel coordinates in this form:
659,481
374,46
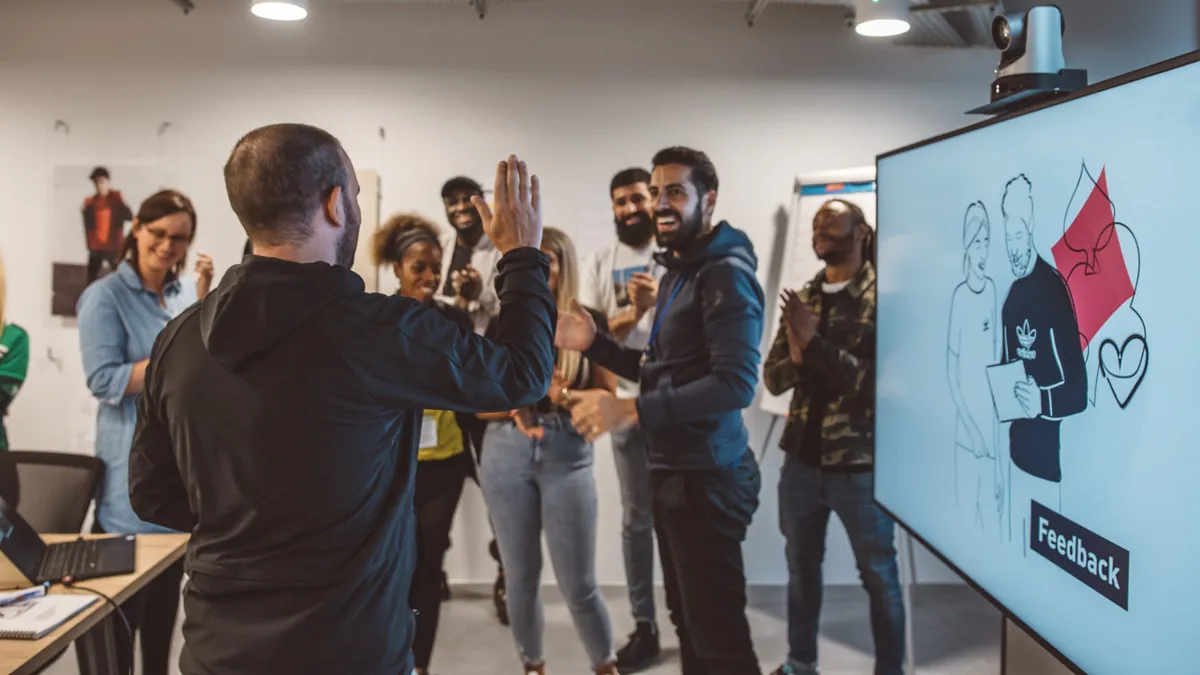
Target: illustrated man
104,216
1040,330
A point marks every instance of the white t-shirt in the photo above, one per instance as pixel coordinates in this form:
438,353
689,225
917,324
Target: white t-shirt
975,339
605,277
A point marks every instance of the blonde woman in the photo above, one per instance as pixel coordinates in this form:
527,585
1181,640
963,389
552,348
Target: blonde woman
14,360
536,474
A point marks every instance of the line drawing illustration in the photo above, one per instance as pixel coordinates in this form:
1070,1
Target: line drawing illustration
1101,260
1042,377
973,344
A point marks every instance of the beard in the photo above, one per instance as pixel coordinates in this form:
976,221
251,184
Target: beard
347,246
839,251
688,230
637,233
1020,260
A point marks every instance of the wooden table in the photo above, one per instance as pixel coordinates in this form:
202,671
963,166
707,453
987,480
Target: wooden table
98,636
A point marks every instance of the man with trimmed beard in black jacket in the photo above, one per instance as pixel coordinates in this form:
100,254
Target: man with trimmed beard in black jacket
281,416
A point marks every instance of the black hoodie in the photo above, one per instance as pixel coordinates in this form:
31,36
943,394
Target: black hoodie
702,369
279,425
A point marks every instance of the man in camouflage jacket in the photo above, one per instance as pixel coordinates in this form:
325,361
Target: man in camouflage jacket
825,353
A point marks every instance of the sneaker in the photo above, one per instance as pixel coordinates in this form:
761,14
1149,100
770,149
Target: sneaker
792,669
642,649
500,599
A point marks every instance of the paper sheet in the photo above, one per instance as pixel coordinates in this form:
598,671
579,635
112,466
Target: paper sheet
1003,380
429,432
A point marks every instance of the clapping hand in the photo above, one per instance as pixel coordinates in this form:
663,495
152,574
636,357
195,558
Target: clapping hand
643,291
466,283
516,221
204,275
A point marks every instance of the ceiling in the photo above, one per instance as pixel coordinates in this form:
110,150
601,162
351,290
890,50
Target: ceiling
935,23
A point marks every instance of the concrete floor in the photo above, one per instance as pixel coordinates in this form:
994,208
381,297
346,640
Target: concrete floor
956,633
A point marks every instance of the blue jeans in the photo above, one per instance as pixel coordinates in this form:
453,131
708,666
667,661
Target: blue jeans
806,497
637,520
547,486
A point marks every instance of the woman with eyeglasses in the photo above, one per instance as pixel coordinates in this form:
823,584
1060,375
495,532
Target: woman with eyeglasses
536,474
409,243
120,316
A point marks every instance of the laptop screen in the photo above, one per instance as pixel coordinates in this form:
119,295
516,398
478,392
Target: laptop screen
19,542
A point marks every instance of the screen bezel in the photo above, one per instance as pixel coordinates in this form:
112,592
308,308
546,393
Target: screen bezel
1158,68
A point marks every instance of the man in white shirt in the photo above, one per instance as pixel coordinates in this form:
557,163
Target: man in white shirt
620,280
469,257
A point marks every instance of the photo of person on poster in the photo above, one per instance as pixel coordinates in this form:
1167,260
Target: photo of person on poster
104,216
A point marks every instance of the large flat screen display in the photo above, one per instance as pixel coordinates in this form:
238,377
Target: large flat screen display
1038,419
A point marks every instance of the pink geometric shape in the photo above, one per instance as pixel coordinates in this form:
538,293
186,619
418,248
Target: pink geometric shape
1089,257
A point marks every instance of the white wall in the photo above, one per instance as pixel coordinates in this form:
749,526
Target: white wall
579,89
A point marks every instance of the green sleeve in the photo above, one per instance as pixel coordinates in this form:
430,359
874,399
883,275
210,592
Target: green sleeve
14,357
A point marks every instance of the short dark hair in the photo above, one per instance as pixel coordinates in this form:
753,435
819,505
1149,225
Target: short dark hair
277,176
628,177
99,172
461,184
704,174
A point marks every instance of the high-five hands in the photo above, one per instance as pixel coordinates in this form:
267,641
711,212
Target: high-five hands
576,329
516,221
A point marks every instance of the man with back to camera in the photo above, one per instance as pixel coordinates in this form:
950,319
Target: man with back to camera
617,280
104,216
470,264
1041,331
280,418
825,352
697,373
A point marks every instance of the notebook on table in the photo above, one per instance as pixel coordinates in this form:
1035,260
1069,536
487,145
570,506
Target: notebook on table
34,619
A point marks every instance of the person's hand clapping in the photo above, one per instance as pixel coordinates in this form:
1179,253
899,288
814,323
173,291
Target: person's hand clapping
467,283
516,221
643,291
576,329
800,319
204,275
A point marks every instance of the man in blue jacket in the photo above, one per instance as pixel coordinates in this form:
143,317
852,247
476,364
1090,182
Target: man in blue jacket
698,372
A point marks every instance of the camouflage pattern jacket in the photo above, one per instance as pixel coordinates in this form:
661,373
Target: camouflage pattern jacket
842,358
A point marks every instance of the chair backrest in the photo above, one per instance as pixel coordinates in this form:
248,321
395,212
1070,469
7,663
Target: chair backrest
51,490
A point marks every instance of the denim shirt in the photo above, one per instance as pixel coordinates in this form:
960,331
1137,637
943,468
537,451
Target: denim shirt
119,319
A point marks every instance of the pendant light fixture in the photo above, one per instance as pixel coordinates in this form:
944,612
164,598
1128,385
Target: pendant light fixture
280,10
881,18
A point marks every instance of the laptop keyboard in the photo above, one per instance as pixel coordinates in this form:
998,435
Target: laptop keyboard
70,559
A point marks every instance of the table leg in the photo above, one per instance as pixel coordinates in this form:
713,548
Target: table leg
97,648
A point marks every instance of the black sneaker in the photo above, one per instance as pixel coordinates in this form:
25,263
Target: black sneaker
500,599
641,651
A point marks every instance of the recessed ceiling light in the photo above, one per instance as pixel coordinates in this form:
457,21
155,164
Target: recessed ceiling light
280,10
881,18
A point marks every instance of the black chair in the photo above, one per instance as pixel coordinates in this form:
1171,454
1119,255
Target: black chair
51,490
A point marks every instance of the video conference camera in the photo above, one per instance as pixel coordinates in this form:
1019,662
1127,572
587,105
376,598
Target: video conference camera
1032,68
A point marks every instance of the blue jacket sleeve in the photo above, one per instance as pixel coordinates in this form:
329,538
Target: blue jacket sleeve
732,305
102,341
427,361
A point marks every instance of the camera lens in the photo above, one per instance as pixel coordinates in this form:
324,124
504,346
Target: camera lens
1001,32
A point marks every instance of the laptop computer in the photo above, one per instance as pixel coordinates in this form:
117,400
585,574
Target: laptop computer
25,560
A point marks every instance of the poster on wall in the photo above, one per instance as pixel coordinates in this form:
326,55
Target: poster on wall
1036,369
94,208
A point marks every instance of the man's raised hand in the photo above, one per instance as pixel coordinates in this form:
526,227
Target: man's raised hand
516,220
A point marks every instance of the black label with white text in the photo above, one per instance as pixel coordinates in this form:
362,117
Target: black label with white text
1083,554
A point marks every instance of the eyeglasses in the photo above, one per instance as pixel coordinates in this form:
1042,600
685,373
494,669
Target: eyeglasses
158,235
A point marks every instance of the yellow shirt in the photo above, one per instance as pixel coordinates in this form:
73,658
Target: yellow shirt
448,440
